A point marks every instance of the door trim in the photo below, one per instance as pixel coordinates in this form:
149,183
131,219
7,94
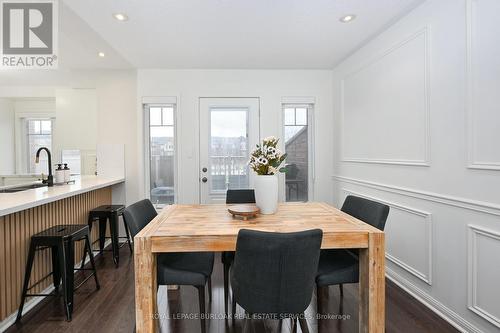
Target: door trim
200,194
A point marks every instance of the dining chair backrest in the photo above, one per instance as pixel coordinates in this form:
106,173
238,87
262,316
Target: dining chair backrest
240,196
274,273
368,211
138,215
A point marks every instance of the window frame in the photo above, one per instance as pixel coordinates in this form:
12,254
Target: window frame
25,151
310,141
147,151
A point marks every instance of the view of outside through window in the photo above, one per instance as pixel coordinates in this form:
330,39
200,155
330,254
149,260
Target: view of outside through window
39,134
162,153
296,146
228,149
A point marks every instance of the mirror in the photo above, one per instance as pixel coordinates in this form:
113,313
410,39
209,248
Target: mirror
61,119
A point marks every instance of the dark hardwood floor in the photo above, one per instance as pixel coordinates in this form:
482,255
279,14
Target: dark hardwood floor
111,309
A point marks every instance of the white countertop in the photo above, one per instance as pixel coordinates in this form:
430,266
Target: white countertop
15,202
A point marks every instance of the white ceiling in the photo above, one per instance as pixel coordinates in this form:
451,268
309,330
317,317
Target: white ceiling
79,45
234,34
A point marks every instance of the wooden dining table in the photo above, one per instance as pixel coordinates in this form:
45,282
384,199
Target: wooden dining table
197,228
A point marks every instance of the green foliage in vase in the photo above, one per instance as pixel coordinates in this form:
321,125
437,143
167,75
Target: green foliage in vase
266,158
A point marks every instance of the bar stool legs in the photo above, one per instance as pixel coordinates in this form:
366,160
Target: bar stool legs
56,267
70,264
63,264
59,273
64,276
92,263
102,232
27,274
104,214
102,238
113,226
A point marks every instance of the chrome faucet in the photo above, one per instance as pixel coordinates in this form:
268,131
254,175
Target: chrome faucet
50,179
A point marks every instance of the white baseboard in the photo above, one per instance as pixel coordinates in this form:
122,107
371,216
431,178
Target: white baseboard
437,307
34,301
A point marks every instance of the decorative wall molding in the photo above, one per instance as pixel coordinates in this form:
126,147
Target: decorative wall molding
478,206
483,165
425,31
472,272
472,163
427,278
387,161
437,307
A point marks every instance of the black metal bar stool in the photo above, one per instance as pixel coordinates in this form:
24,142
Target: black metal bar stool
109,213
60,239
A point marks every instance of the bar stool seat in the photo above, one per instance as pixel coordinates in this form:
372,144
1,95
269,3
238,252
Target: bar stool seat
109,213
60,239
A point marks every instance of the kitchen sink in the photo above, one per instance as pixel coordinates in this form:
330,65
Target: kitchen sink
20,188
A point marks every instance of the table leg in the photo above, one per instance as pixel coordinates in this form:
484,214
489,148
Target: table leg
372,285
145,286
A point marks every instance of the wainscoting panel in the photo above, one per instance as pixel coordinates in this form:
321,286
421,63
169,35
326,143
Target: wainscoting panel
408,238
484,273
442,249
378,128
425,134
15,232
483,61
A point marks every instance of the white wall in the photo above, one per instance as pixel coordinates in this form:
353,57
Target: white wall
417,126
7,138
117,124
76,126
116,109
269,85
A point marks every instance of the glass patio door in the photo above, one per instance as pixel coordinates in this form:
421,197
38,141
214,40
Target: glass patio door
229,129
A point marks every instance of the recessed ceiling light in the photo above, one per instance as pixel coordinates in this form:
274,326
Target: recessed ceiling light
347,18
101,54
120,17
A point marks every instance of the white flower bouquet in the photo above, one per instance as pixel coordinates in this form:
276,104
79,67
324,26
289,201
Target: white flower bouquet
267,158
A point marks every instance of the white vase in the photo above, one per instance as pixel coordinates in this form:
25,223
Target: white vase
266,193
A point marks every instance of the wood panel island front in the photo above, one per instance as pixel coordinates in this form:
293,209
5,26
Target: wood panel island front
25,213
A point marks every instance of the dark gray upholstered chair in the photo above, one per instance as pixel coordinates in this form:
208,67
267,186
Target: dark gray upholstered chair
190,268
341,266
234,197
273,274
240,196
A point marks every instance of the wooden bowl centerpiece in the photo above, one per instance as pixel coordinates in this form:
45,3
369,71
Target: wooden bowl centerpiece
244,211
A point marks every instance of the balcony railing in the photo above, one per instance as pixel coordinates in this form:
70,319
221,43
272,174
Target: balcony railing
228,172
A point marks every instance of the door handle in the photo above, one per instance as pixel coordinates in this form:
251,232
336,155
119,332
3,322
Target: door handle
204,179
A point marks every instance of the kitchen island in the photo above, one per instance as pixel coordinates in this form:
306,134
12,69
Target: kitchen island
28,212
